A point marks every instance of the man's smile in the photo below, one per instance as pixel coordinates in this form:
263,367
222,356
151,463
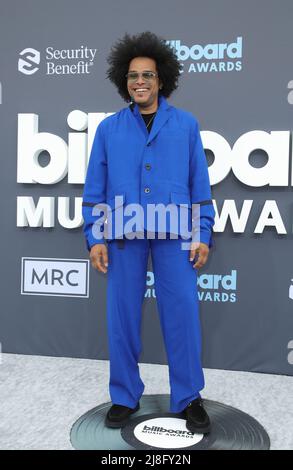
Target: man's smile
141,90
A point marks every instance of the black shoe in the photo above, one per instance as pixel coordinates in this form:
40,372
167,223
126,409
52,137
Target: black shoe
197,420
118,415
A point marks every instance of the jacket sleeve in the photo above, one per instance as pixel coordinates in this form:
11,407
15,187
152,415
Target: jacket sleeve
95,191
200,189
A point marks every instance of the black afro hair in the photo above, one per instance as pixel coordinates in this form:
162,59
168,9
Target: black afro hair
145,44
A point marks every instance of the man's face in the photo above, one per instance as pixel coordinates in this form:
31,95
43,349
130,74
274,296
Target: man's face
144,92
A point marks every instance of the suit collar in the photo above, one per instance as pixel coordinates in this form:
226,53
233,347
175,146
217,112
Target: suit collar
160,119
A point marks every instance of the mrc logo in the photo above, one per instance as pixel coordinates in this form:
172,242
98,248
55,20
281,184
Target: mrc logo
53,276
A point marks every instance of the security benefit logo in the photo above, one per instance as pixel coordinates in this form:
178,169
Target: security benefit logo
57,277
218,287
29,60
57,61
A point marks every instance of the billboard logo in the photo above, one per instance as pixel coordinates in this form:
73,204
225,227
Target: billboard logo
28,61
218,288
206,57
290,355
166,433
291,290
210,287
55,276
150,285
290,94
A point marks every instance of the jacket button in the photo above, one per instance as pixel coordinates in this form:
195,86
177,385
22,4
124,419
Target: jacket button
147,166
146,190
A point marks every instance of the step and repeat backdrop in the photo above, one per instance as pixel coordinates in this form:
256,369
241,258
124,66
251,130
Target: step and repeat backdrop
237,79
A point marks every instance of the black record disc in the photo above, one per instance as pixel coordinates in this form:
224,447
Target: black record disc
154,427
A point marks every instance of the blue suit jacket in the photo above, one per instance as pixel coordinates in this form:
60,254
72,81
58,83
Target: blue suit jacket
167,165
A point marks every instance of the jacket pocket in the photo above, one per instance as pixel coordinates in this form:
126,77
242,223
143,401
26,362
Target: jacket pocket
180,198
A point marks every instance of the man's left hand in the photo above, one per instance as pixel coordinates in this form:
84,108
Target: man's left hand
200,249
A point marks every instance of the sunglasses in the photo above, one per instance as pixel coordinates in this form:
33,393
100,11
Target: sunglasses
133,76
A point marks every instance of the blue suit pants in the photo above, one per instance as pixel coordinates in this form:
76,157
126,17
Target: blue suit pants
177,302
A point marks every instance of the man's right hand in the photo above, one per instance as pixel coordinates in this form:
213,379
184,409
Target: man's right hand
99,257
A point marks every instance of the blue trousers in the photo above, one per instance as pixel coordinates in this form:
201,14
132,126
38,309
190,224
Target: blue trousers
177,302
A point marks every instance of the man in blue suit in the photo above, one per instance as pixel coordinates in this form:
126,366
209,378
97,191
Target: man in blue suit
150,155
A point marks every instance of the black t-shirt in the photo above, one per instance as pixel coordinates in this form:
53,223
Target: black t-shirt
146,117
